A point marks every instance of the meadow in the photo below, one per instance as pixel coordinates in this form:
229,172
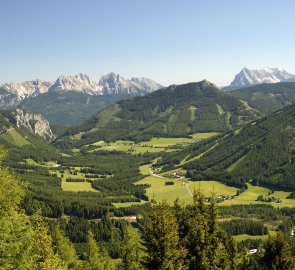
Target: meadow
154,145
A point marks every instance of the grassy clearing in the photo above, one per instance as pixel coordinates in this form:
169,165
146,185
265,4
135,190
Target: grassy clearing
183,188
159,191
127,146
15,138
234,165
154,145
74,186
127,204
243,237
145,169
251,194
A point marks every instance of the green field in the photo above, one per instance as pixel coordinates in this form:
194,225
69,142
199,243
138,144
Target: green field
127,146
14,137
182,188
154,145
251,194
127,204
74,186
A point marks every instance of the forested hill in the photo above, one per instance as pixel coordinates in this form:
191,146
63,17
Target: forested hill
262,152
68,108
178,110
267,97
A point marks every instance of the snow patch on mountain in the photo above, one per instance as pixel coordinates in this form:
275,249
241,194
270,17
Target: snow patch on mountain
248,77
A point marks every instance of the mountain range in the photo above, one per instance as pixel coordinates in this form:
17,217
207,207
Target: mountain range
11,94
175,111
247,77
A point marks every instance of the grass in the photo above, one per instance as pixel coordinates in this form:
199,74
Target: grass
145,169
127,146
14,137
251,194
74,186
243,237
159,191
154,145
127,204
235,164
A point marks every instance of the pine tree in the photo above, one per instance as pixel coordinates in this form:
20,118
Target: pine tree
66,251
45,257
198,244
129,252
182,217
96,259
244,259
277,254
16,232
161,240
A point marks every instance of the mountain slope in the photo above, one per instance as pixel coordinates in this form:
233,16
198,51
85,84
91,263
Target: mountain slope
68,108
262,152
248,77
26,135
33,123
170,112
267,97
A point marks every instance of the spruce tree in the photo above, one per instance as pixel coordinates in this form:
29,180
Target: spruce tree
96,259
16,232
277,254
45,257
129,252
66,251
161,241
198,244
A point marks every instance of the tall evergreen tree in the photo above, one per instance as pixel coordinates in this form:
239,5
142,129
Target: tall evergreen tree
129,252
198,244
16,232
161,241
96,259
66,250
46,258
277,254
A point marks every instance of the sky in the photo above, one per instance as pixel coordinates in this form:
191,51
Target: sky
169,41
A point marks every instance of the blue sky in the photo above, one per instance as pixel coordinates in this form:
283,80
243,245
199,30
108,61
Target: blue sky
167,40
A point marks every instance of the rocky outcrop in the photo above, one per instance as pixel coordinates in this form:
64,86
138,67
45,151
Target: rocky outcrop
35,123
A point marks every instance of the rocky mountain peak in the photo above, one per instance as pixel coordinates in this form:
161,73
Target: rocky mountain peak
80,83
247,77
35,123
